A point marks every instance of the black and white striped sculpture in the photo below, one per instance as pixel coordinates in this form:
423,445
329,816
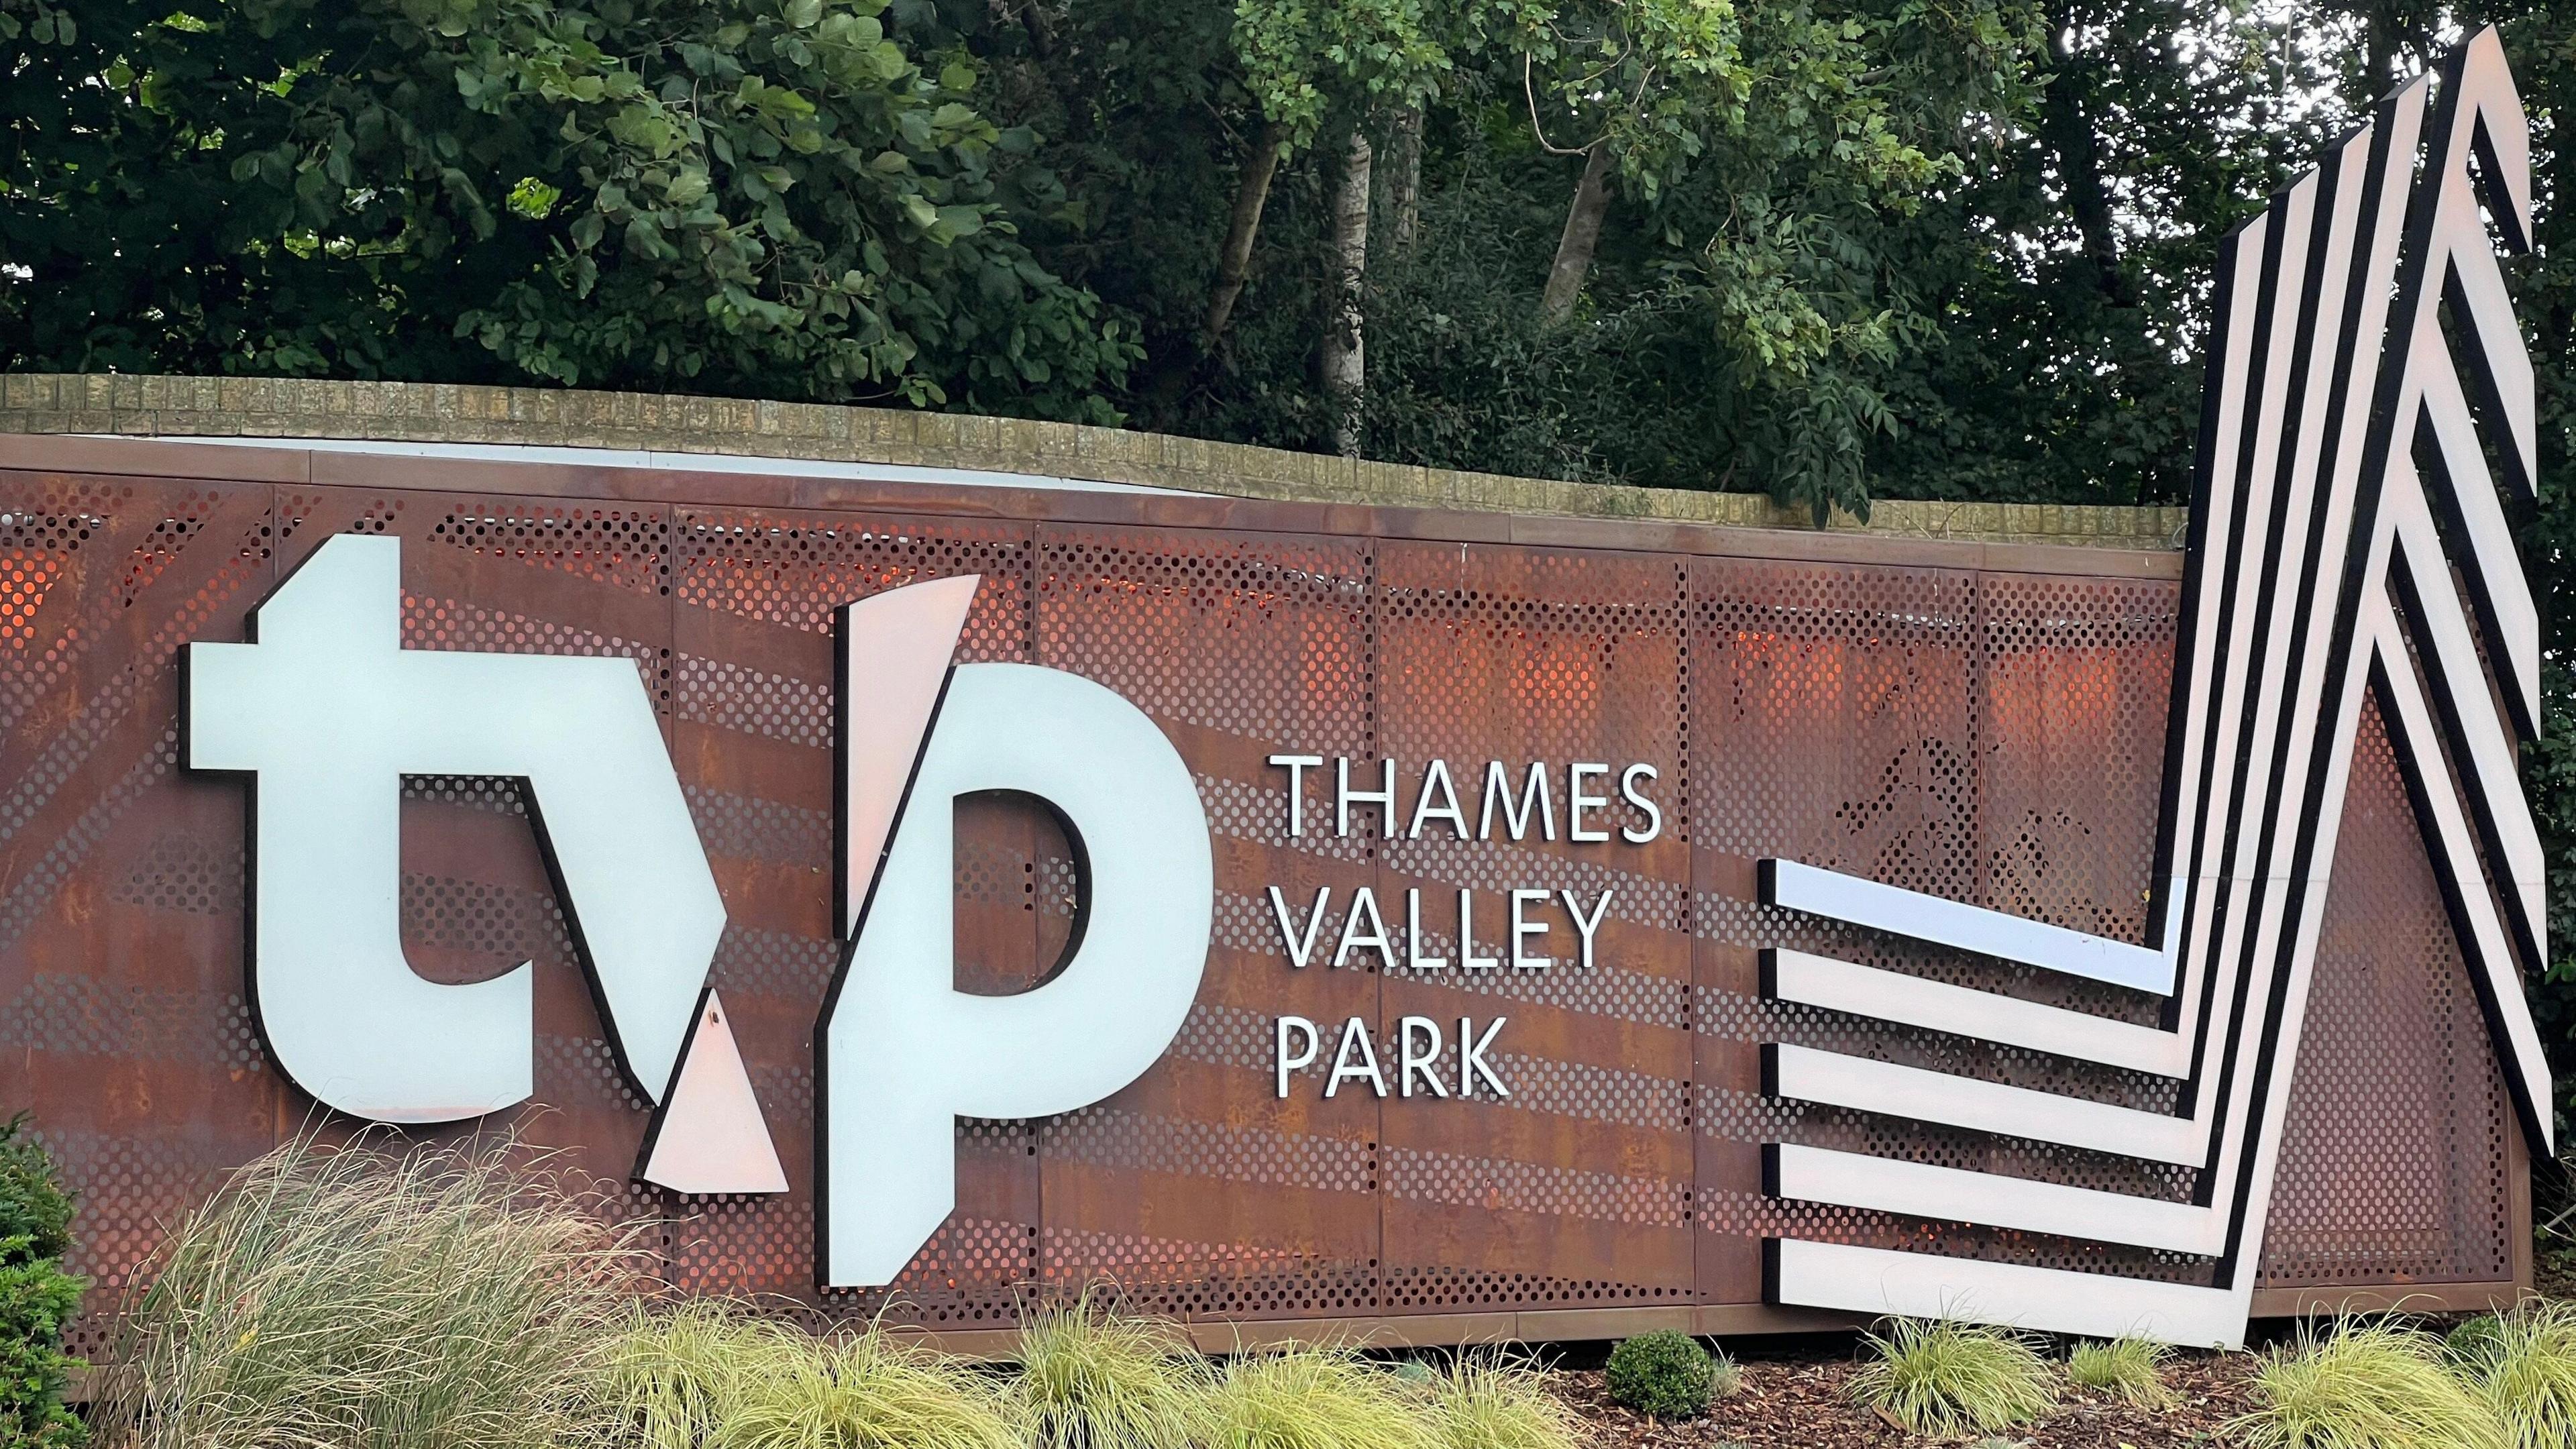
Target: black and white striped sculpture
2347,536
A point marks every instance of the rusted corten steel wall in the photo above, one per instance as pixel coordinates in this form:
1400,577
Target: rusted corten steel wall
1985,722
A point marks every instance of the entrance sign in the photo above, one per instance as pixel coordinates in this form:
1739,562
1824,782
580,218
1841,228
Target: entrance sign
926,897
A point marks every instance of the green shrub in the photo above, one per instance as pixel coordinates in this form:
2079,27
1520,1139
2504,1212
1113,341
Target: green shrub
1094,1378
1491,1400
2128,1368
1668,1375
1316,1398
2365,1386
1945,1378
2523,1364
2472,1342
449,1298
37,1298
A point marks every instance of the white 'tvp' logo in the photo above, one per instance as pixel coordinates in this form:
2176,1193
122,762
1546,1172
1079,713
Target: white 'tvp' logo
329,712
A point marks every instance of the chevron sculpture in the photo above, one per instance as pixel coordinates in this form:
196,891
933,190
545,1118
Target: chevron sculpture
2348,538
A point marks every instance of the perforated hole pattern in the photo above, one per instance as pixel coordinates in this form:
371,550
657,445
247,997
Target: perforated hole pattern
1990,737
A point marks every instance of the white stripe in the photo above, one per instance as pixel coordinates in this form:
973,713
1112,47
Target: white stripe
1834,1080
1985,1015
2490,537
2049,1300
1951,1194
2487,941
1859,902
2442,629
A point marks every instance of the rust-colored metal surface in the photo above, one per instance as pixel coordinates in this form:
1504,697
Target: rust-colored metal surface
1986,724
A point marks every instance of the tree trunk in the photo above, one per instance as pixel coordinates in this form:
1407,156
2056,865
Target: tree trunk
1041,28
1345,347
2067,124
1234,262
1404,182
1581,237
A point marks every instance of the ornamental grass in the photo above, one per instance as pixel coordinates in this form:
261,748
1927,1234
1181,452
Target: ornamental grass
444,1298
1492,1399
711,1376
673,1376
2523,1365
870,1392
2366,1386
1944,1378
1316,1398
1095,1378
2131,1369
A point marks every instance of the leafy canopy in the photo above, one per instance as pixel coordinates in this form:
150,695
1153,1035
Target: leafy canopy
783,199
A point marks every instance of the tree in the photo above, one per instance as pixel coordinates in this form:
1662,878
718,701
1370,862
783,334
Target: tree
2067,364
744,196
1295,54
1646,86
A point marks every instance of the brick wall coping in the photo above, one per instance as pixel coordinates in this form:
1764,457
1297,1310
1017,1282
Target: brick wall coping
283,408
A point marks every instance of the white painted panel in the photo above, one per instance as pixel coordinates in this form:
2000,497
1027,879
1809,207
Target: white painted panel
1808,1075
2047,1300
1962,1011
1951,1194
1969,928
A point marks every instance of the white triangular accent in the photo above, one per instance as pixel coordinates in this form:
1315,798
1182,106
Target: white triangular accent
711,1137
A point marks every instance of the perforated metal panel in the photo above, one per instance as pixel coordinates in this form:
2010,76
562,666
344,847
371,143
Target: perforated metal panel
1577,1190
2415,1188
1991,735
120,876
1214,1197
1995,738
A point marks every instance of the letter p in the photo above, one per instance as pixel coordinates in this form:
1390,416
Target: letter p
901,1053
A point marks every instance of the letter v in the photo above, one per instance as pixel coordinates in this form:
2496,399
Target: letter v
1300,949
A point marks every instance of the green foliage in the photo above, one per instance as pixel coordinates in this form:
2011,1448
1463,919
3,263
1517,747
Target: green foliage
790,200
37,1298
1094,1378
1492,1400
2523,1364
1296,52
708,1376
2365,1386
1853,248
1943,1377
1657,82
33,1206
871,1392
2128,1368
449,1298
1315,1398
1667,1374
2473,1343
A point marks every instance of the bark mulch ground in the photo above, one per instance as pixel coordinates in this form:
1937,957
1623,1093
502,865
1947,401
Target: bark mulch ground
1802,1405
